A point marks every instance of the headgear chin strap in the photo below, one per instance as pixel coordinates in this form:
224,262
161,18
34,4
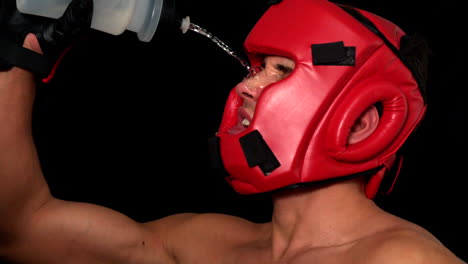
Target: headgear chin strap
347,60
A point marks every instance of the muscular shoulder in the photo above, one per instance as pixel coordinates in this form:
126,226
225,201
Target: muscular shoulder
189,234
205,224
408,246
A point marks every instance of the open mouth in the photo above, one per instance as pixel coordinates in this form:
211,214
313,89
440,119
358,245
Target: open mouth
244,118
243,121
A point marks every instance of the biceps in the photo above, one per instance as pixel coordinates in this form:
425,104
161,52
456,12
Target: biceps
63,230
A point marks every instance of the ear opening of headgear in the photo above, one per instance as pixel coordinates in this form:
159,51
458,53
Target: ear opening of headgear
394,114
413,53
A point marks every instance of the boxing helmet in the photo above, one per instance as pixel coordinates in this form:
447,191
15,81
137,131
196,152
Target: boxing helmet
346,60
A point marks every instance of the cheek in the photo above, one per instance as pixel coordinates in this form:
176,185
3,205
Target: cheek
255,85
266,78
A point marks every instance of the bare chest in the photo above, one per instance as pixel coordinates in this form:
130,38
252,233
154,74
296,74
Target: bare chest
349,254
254,254
245,254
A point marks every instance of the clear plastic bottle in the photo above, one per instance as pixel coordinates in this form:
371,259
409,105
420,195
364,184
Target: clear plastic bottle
111,16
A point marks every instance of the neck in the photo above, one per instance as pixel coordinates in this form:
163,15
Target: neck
325,216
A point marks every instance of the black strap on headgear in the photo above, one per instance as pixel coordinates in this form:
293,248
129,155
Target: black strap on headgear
273,2
215,155
372,27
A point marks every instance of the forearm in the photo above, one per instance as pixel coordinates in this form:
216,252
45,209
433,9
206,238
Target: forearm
22,185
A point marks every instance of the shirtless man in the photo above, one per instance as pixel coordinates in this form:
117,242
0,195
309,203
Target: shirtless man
318,124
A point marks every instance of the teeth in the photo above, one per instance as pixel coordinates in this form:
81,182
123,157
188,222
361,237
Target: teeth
245,122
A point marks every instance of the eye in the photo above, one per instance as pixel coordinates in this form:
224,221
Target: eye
255,70
283,68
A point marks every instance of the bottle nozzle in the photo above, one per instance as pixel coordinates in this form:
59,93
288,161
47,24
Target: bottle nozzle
185,24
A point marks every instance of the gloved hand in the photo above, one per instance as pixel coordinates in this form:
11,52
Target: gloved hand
55,36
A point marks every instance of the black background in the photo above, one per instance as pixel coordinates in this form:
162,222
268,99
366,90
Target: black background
125,123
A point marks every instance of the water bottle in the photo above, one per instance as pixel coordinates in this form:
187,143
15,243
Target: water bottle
112,16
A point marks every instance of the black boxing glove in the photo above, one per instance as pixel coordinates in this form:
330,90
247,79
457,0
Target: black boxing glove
55,36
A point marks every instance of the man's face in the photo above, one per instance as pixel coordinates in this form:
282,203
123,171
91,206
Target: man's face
274,68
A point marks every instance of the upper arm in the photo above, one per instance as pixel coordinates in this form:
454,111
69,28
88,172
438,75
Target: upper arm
84,233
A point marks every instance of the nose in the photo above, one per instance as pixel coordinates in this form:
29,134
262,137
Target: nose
251,87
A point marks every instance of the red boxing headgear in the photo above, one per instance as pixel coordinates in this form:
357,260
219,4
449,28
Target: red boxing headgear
346,61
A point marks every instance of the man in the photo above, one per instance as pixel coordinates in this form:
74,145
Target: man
318,123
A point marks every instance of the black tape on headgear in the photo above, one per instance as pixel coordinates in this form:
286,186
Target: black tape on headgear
334,53
257,152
